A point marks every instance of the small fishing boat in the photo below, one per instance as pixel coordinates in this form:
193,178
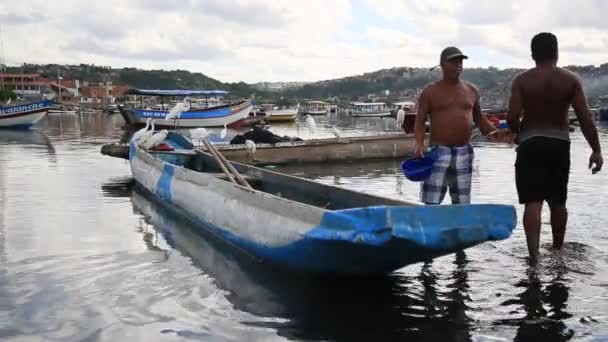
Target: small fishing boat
314,107
24,115
304,225
276,114
233,114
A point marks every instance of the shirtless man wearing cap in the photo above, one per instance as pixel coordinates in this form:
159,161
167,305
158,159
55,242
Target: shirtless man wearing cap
452,105
543,95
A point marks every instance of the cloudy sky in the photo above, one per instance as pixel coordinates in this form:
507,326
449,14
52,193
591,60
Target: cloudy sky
293,40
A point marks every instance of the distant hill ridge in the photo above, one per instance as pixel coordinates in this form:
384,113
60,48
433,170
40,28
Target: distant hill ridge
494,83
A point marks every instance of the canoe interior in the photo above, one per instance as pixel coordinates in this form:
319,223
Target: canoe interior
285,186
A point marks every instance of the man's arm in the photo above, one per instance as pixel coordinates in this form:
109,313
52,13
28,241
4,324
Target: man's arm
515,106
485,126
420,123
587,123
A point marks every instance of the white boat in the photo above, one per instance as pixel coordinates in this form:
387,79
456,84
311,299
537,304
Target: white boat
314,107
62,111
24,115
369,109
276,114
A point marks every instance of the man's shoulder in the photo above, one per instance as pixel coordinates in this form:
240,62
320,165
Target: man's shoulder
522,74
430,87
428,91
470,85
569,74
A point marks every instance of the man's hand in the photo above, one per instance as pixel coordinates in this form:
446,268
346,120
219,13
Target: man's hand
420,150
502,135
596,161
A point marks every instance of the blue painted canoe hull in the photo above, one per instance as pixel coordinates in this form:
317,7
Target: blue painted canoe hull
358,240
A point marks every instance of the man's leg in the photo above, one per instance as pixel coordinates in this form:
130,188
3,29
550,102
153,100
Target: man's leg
531,179
558,193
532,215
460,173
433,189
559,219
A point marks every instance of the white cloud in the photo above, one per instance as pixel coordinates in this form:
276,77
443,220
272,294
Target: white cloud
272,40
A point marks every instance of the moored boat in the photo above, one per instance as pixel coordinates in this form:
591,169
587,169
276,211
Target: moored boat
395,145
314,107
276,114
231,114
24,115
305,225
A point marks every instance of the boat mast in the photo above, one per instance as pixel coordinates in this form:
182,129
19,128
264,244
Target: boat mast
2,66
59,84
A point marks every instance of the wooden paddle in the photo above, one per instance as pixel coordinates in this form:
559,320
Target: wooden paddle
219,161
226,165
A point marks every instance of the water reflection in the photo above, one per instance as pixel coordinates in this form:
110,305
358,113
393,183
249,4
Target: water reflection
370,169
542,323
87,125
544,303
301,306
27,138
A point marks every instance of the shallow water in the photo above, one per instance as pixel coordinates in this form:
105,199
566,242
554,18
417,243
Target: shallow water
85,256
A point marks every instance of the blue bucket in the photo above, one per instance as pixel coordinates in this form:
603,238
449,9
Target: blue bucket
418,169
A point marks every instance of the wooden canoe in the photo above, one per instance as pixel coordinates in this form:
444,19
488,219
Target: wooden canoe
397,145
308,226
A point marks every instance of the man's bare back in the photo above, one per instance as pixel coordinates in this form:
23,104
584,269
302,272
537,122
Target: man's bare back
543,95
451,108
546,94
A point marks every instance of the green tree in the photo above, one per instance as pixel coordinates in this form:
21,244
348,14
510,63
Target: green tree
7,94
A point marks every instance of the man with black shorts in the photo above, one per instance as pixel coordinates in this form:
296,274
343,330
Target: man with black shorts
542,96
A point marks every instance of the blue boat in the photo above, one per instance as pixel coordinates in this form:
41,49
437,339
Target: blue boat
305,225
24,116
232,115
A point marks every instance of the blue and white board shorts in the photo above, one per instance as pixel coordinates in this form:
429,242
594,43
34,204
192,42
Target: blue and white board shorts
453,168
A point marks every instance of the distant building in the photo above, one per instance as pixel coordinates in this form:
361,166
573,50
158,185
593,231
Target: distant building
101,93
33,85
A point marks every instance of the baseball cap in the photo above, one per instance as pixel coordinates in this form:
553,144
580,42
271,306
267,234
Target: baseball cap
451,52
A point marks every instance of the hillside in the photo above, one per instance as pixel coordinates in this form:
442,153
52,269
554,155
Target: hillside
401,82
494,83
136,78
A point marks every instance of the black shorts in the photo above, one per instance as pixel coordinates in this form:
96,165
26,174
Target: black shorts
542,168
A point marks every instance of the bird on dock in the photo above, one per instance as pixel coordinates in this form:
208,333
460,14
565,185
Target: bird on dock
310,123
224,132
250,145
156,139
140,133
198,134
336,132
9,101
176,112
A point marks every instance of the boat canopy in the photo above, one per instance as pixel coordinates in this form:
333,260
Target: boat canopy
175,92
367,104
